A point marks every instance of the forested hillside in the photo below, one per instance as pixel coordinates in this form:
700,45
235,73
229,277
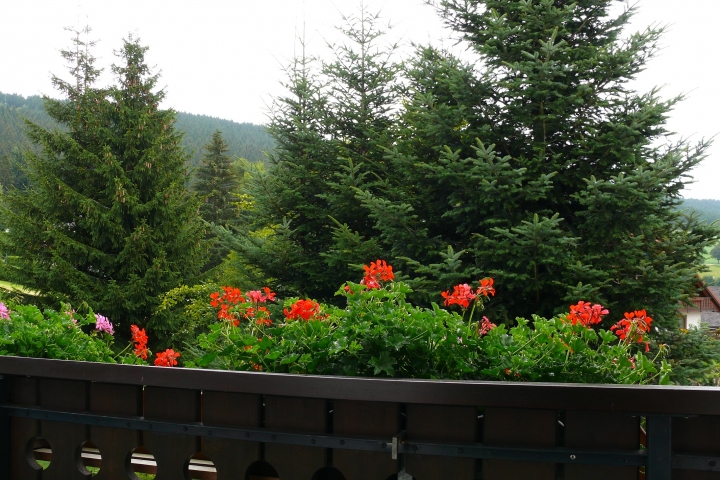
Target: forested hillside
707,209
244,140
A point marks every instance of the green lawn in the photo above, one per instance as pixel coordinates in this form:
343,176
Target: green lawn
12,287
714,269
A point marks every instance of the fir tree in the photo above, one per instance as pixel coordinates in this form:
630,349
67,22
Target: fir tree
331,132
217,184
106,219
541,167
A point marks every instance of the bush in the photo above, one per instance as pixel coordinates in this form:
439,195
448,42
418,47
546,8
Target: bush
379,333
25,331
694,355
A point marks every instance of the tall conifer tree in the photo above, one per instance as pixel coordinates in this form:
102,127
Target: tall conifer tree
216,183
331,131
541,167
107,219
217,186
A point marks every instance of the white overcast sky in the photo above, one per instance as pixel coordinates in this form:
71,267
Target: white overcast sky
223,57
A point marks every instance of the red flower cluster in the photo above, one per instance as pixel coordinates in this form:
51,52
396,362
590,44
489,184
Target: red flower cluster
486,287
586,314
167,358
305,309
633,327
485,326
463,294
377,272
233,296
139,337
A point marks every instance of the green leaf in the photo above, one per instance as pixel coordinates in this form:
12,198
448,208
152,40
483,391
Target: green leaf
207,359
289,359
383,364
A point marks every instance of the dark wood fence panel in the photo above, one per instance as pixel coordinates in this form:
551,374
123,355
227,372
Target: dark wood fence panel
435,423
65,439
510,427
697,436
231,457
365,419
69,403
115,444
294,414
171,452
601,431
23,391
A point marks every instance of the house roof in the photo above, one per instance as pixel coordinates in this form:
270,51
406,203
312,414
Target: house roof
711,318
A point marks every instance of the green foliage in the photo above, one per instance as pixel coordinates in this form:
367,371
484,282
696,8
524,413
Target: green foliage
708,210
217,186
183,314
331,132
379,333
694,355
50,334
537,164
245,140
715,252
107,219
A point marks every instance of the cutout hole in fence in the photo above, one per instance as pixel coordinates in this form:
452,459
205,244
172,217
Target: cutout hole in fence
200,467
38,453
88,458
141,464
328,473
261,471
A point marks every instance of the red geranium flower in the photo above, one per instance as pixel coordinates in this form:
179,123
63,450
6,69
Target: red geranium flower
167,358
586,314
486,287
633,327
485,326
139,337
377,271
305,309
462,295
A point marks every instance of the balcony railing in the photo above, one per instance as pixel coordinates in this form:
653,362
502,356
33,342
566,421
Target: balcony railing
704,304
186,423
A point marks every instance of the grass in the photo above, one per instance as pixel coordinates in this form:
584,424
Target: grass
713,269
13,287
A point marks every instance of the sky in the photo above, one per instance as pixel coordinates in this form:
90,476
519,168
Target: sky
224,58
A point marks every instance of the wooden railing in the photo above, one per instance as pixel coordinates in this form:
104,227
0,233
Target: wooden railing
182,423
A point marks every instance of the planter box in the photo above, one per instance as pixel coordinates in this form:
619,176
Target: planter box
187,423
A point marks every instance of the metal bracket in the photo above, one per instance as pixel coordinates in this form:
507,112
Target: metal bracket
397,440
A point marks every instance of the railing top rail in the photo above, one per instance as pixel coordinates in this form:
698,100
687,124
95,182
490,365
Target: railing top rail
675,400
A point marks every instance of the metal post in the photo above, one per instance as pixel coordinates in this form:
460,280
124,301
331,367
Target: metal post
4,429
659,447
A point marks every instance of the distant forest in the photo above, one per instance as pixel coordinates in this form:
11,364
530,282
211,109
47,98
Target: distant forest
245,140
707,209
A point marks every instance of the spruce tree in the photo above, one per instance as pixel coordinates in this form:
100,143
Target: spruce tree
308,230
216,182
107,218
539,166
216,185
